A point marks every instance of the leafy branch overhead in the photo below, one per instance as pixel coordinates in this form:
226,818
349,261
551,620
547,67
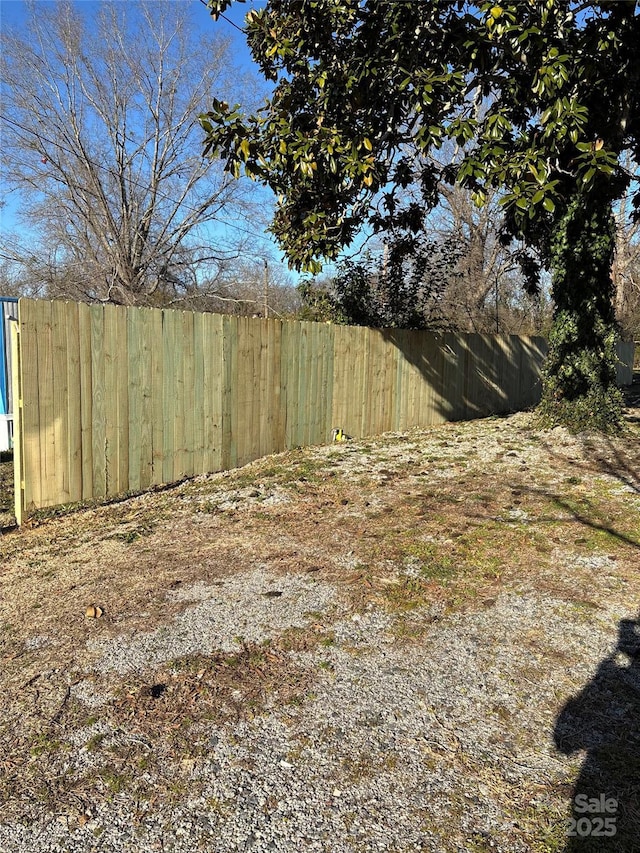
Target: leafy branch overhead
540,99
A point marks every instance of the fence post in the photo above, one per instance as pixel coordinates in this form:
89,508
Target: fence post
16,385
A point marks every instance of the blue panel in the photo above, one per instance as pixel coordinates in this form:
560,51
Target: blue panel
3,363
8,309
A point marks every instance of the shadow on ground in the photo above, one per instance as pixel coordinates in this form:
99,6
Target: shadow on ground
604,720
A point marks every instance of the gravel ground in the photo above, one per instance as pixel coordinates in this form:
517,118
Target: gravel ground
408,698
384,754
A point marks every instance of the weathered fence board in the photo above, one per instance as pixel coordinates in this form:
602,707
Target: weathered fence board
626,350
119,399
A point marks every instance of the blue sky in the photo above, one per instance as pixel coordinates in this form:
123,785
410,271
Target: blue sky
13,14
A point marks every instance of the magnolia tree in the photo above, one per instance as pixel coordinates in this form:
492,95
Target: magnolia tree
541,100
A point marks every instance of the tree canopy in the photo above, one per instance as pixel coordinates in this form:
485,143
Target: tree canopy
541,100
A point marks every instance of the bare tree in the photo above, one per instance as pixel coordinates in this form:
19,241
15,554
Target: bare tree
253,287
626,264
102,144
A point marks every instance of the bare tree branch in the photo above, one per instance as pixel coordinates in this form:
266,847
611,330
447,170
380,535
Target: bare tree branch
101,142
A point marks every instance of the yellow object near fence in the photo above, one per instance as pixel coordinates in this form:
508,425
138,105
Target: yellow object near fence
115,399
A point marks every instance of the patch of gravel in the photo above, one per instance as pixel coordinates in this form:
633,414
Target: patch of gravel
250,607
221,498
381,755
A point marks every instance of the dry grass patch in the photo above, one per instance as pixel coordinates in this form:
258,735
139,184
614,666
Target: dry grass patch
134,735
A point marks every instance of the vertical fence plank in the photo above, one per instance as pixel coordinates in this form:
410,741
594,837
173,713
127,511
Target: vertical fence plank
453,376
325,402
213,381
278,392
401,380
308,384
114,365
180,402
294,416
414,379
264,439
98,412
59,488
189,393
387,370
532,353
361,370
18,421
314,387
86,399
146,396
208,417
422,373
256,403
302,382
473,383
288,373
242,387
47,407
315,384
339,413
229,392
197,459
74,401
374,386
625,351
32,469
255,408
434,365
169,343
117,399
156,320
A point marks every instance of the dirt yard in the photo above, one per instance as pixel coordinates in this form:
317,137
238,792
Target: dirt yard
424,641
6,489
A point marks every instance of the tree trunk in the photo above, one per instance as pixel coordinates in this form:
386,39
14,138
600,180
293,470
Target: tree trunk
579,378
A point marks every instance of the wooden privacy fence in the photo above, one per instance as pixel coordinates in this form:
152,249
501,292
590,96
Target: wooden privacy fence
116,400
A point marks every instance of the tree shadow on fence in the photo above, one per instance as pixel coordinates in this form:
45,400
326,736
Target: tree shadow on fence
472,375
604,720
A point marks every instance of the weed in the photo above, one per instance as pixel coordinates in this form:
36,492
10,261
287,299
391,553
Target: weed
408,594
434,564
115,781
129,536
44,743
94,742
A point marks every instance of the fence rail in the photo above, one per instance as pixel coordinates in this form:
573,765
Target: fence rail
116,400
